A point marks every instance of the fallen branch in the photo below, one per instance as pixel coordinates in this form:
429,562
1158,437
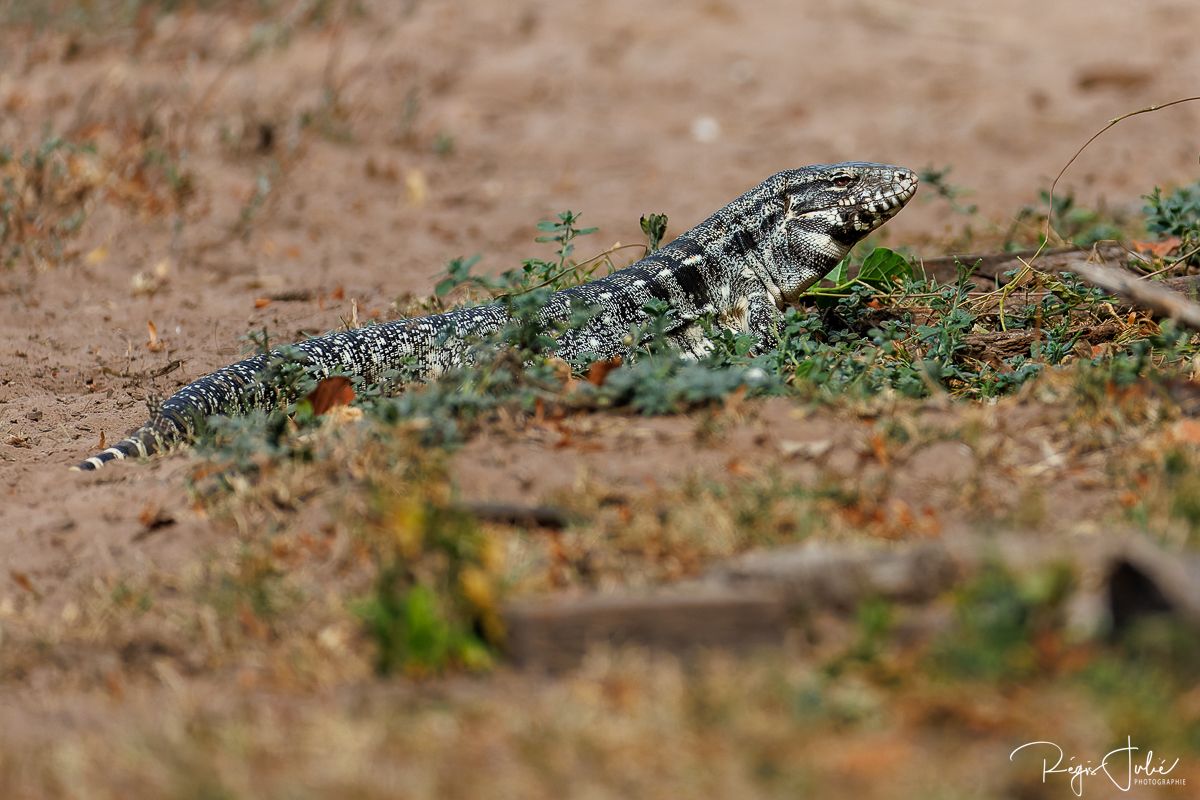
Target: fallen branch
158,372
755,599
1147,295
994,265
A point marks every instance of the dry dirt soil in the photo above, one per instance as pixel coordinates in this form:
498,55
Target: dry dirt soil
289,165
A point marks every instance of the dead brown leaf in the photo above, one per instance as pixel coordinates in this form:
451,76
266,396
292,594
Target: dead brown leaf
599,370
22,580
154,517
251,623
331,392
1187,430
879,448
153,344
734,466
1157,249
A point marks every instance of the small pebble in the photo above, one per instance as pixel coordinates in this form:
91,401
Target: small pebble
706,129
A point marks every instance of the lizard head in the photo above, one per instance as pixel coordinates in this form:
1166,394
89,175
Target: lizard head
826,210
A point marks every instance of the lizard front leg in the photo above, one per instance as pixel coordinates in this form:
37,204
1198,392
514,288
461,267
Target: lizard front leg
765,321
756,314
691,341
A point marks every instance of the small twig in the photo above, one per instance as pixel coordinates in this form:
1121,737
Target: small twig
1054,185
1177,260
597,258
1170,266
292,296
166,369
515,514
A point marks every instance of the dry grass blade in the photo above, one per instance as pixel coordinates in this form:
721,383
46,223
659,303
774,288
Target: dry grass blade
1111,123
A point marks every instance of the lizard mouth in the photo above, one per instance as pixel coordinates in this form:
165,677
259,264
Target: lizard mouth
882,203
889,202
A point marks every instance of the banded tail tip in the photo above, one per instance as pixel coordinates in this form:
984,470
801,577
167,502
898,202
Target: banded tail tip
117,452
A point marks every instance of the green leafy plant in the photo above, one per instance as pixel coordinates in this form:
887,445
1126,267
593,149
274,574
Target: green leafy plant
432,603
655,228
998,618
1177,214
882,268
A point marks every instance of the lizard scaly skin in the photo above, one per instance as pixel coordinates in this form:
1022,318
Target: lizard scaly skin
743,266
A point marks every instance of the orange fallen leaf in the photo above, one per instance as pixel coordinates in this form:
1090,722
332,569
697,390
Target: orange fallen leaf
879,448
733,401
735,467
335,391
1158,249
153,517
598,371
251,623
22,580
903,514
262,302
114,684
1188,430
154,344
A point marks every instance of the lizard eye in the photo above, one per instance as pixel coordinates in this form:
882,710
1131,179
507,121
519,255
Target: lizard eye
842,180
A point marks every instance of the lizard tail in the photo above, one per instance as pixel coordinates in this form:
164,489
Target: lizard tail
230,390
147,440
243,387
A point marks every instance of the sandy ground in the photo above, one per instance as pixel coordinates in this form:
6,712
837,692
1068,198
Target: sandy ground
607,109
352,157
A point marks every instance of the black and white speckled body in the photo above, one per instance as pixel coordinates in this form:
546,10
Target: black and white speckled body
743,265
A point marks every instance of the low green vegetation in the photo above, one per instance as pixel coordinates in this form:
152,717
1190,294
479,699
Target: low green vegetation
1178,215
43,199
878,328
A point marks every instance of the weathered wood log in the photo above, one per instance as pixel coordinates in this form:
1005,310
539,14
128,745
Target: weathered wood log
752,601
556,633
